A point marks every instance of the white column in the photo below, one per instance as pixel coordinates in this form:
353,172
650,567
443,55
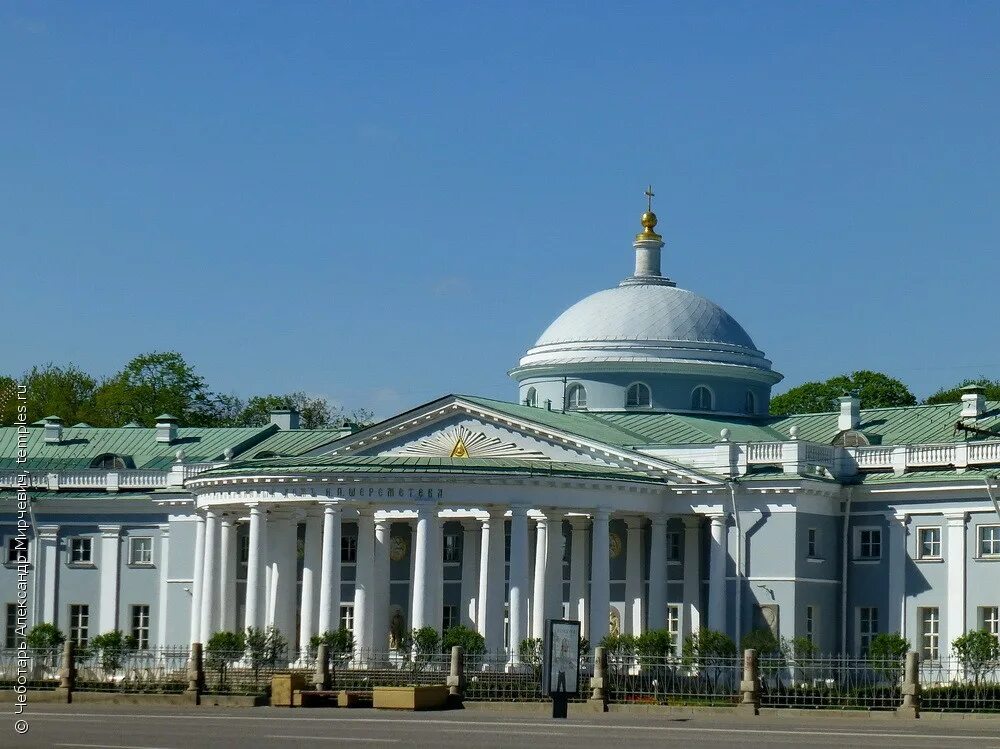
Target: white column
578,572
538,587
554,550
717,575
484,569
600,576
518,612
691,619
380,586
470,572
312,558
48,560
422,569
110,544
227,574
897,573
252,609
495,580
197,575
633,576
955,562
437,572
329,586
209,581
163,601
363,577
282,536
656,615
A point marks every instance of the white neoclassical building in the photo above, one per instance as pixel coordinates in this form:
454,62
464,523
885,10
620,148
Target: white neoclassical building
638,481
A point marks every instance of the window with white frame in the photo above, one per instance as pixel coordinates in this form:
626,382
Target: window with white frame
930,627
79,624
10,630
347,616
750,406
449,617
701,399
140,551
81,550
348,549
638,396
869,543
140,624
452,547
812,543
929,543
576,397
989,619
673,546
16,550
810,632
674,625
989,540
867,628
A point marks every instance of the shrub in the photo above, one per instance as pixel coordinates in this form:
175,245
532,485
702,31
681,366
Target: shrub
619,644
530,653
339,644
654,644
887,651
45,637
761,640
978,651
223,649
112,648
708,643
264,647
470,641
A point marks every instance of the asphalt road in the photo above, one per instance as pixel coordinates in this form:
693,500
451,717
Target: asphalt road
119,727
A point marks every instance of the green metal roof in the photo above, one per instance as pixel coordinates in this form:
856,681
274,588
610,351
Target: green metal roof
289,443
400,464
80,445
886,477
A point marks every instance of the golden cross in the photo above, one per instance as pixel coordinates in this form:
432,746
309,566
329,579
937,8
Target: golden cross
649,198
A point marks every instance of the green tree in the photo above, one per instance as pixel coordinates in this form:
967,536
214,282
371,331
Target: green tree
978,651
874,389
761,640
45,636
264,648
315,412
991,389
470,640
708,643
110,649
886,653
223,649
67,392
620,644
8,400
339,645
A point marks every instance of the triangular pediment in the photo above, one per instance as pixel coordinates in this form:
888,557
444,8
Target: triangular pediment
452,427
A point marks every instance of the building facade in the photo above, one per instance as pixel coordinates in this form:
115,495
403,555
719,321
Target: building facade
637,482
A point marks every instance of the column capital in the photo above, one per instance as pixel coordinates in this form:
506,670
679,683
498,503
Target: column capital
383,523
902,518
956,519
164,529
658,519
48,532
718,518
691,521
110,531
601,513
226,519
634,522
471,525
579,522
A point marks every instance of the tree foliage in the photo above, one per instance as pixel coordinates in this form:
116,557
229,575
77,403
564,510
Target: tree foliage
874,389
470,640
45,636
978,651
991,389
761,640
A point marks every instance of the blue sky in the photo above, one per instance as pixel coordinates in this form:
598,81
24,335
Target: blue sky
383,203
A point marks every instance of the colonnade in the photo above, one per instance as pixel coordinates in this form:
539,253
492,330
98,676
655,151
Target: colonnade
500,590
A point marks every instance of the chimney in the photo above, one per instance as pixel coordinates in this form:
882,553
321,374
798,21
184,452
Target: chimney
973,402
53,430
285,418
548,404
850,413
166,428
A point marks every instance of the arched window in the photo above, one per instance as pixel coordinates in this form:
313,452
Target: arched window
110,462
751,403
531,398
701,399
637,396
576,397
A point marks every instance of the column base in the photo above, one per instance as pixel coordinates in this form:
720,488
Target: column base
748,708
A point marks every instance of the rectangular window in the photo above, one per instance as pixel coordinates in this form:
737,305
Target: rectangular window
347,616
867,628
810,632
10,631
674,625
452,547
869,543
929,543
989,619
449,617
244,549
812,543
140,624
81,550
989,540
140,550
673,546
929,630
79,624
16,550
348,549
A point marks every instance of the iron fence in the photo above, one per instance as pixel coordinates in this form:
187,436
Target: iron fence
38,667
151,670
830,682
672,680
951,685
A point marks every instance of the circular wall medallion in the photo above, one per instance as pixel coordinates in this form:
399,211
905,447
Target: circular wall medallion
616,545
397,548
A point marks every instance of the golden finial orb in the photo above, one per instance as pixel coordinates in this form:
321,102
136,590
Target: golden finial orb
648,219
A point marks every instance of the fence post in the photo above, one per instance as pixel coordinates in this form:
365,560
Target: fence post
196,673
321,676
456,676
67,671
750,685
911,686
598,685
